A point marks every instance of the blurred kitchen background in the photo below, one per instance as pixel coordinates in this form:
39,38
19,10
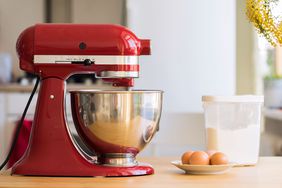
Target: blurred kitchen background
199,48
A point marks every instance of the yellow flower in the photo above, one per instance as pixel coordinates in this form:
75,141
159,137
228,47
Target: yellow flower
259,13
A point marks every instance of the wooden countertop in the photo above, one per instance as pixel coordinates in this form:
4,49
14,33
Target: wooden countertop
267,173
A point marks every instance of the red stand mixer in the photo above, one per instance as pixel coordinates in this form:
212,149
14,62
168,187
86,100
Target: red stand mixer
115,125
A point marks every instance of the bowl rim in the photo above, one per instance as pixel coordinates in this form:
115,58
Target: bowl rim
95,91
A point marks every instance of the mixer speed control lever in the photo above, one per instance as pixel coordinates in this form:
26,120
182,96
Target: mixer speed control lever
86,62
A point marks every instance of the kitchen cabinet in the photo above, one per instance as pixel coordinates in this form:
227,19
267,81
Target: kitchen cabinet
12,106
267,173
15,16
97,11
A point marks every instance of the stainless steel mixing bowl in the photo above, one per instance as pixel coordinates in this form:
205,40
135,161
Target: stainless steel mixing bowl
116,124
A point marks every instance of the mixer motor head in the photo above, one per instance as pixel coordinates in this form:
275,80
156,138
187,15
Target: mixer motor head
61,50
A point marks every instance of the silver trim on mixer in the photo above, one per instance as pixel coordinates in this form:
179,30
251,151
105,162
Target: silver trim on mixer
118,74
98,59
119,159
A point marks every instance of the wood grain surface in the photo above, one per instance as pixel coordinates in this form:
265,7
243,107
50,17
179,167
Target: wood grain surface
267,173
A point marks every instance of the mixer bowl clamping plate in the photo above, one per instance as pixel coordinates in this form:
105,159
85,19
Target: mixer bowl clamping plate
117,125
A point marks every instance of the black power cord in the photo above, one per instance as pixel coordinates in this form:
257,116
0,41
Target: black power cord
20,124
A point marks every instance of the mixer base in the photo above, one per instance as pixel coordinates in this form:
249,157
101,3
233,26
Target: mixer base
95,170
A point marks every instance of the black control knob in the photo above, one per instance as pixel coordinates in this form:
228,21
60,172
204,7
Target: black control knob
87,62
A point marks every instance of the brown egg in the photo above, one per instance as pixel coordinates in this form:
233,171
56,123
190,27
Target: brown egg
211,152
218,159
199,158
186,157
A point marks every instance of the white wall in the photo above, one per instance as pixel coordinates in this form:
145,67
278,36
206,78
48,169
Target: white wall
193,49
193,54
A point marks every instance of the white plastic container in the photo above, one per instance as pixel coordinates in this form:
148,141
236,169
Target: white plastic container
233,126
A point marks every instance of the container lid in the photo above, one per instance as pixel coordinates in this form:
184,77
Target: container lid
235,98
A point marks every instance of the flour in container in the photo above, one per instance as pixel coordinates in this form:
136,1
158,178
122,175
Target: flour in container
240,145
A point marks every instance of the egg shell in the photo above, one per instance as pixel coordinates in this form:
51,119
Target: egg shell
219,158
199,158
186,157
